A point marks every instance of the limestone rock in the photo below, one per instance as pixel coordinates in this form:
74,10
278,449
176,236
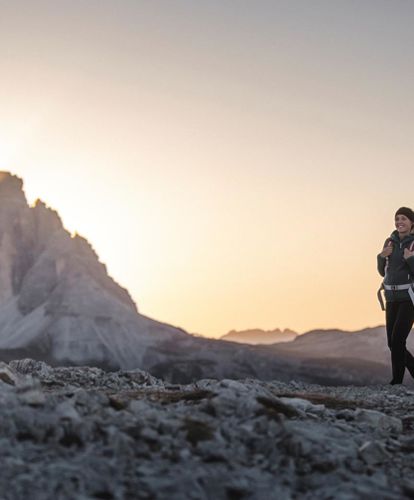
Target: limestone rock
380,421
7,374
62,436
373,453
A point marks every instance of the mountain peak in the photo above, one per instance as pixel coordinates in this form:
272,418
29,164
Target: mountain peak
57,300
11,187
46,217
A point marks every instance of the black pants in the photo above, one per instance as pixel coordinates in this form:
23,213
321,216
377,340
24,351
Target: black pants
399,319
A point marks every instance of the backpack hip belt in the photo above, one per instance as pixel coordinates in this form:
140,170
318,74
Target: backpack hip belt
398,287
395,288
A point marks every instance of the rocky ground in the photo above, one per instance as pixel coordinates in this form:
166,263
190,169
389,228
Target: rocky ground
81,433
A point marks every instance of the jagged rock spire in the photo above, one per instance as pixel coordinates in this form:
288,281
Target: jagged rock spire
11,188
57,301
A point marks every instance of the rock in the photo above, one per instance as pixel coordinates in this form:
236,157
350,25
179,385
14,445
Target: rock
66,411
138,406
30,366
407,487
407,443
149,434
345,414
303,405
277,406
373,452
296,446
62,436
210,452
380,421
33,397
8,375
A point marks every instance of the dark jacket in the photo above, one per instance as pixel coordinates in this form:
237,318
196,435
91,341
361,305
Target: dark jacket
395,269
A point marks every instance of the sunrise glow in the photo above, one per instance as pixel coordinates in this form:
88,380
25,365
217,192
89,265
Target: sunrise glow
234,167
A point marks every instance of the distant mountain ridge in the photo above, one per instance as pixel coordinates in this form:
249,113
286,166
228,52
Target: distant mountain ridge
369,344
258,336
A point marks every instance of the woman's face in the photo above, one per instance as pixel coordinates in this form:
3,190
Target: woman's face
403,224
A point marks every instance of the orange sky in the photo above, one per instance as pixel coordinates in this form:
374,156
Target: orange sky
234,167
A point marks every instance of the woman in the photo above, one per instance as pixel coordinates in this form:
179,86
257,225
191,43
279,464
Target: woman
396,264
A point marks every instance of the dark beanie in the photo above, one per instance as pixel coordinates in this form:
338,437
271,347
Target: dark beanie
407,212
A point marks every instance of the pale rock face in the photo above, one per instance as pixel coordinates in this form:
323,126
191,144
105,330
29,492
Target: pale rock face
56,298
6,259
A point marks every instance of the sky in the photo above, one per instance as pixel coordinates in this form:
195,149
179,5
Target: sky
235,164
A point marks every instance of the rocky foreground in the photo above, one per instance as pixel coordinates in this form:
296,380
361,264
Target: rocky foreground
82,433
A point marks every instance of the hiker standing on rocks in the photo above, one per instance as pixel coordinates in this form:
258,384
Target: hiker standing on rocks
396,264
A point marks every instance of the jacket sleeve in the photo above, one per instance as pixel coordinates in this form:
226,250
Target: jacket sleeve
381,261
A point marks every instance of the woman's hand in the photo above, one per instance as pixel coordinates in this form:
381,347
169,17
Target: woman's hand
387,251
407,253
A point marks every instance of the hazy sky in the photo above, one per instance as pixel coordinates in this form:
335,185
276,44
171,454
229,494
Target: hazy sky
236,164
